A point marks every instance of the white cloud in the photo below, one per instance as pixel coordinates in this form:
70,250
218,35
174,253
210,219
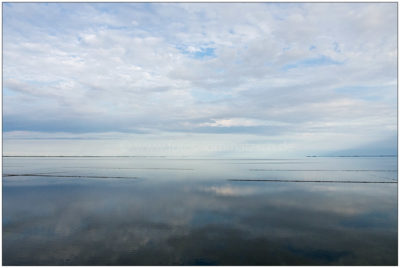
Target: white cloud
294,69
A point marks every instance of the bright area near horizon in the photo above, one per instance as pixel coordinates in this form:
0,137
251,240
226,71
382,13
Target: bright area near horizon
209,79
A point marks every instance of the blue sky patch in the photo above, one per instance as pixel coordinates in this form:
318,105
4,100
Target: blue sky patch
198,52
311,62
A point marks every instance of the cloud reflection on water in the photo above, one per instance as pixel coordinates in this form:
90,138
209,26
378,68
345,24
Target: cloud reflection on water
199,222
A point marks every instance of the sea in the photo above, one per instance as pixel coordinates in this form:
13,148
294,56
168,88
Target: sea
164,210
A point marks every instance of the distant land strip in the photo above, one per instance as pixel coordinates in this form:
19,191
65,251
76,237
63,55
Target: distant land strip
388,155
347,170
318,181
65,176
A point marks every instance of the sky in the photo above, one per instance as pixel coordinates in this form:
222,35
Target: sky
199,79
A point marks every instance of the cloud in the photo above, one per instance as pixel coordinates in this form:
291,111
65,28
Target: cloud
244,68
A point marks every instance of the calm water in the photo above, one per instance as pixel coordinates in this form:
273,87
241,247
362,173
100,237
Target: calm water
169,211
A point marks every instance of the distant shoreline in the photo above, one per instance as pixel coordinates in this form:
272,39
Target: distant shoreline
164,156
352,156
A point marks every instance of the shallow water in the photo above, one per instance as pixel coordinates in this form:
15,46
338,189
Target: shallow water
186,211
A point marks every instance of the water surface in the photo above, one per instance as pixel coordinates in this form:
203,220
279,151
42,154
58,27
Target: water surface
187,211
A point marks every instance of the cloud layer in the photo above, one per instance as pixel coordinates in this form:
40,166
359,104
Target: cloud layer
254,72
